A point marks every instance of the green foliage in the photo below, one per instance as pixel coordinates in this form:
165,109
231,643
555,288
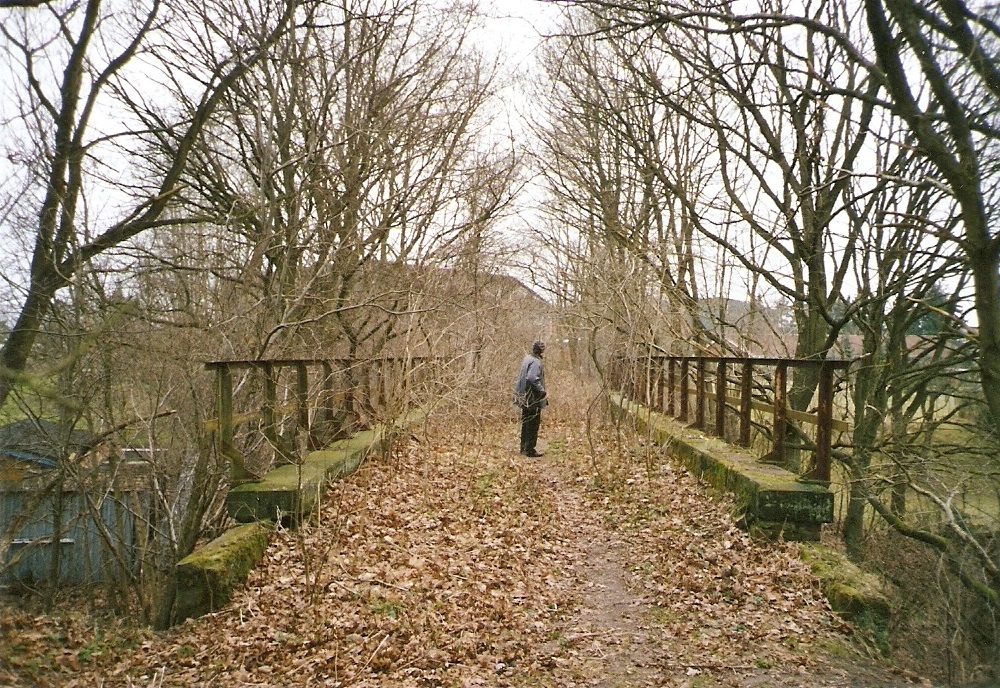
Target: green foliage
382,606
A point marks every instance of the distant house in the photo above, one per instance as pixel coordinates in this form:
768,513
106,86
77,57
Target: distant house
66,502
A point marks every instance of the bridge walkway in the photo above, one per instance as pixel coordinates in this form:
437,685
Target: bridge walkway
457,562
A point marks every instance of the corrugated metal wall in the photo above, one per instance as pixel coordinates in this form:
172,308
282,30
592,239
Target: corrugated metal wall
85,556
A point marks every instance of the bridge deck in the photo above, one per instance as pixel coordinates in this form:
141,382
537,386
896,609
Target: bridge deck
458,562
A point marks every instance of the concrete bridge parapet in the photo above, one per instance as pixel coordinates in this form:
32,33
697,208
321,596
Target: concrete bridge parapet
774,502
771,500
207,576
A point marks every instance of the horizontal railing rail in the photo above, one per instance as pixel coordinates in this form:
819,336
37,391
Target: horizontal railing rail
296,399
689,387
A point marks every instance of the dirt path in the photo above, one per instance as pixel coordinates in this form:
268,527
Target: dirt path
651,545
609,637
456,562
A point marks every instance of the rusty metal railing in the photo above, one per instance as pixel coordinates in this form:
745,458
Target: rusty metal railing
688,388
291,402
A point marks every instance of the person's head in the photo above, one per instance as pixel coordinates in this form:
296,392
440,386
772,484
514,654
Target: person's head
538,347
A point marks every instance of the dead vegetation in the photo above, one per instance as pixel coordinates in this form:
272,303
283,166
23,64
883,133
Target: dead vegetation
456,562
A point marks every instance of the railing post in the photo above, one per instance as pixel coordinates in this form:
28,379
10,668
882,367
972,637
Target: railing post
648,385
328,411
659,385
684,390
350,405
238,472
824,425
376,391
671,387
270,404
301,398
780,413
746,390
699,396
404,381
720,399
396,396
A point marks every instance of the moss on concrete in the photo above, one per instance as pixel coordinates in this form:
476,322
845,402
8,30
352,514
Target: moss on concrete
776,504
290,492
207,577
853,593
772,500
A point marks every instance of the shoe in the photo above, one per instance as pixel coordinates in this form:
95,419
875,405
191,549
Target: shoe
533,454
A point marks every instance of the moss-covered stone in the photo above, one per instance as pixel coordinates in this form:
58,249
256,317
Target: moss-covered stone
772,500
775,503
290,492
207,577
853,593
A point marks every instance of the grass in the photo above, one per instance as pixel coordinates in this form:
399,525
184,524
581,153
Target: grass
958,463
662,615
387,607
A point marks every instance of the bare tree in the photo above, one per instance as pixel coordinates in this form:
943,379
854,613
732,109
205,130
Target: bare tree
607,153
946,102
864,163
350,155
69,148
949,105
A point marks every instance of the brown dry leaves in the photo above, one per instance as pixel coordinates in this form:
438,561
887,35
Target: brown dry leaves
718,601
458,563
436,567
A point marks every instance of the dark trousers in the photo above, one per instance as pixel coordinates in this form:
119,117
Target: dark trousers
531,418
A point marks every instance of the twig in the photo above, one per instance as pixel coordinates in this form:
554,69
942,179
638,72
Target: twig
382,582
341,585
735,667
357,579
374,652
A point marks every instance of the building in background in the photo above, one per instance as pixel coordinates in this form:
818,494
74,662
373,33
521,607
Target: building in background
70,506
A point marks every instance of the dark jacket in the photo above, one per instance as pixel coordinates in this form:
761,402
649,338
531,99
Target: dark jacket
529,389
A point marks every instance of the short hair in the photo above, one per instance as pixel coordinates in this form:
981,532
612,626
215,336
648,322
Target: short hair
537,347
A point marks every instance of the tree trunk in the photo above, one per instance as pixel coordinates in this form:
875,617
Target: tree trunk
854,520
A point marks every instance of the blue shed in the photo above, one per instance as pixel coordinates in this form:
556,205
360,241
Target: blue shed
51,477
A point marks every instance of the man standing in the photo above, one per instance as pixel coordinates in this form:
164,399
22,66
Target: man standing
530,395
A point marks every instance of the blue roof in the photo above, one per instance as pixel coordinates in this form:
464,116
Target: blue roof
41,441
45,461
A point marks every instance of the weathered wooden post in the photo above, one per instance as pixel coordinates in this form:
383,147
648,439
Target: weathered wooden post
746,391
659,385
301,400
720,398
780,413
269,411
350,402
671,387
699,397
226,444
648,383
329,413
684,392
824,425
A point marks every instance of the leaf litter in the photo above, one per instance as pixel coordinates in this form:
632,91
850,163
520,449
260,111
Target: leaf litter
457,562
